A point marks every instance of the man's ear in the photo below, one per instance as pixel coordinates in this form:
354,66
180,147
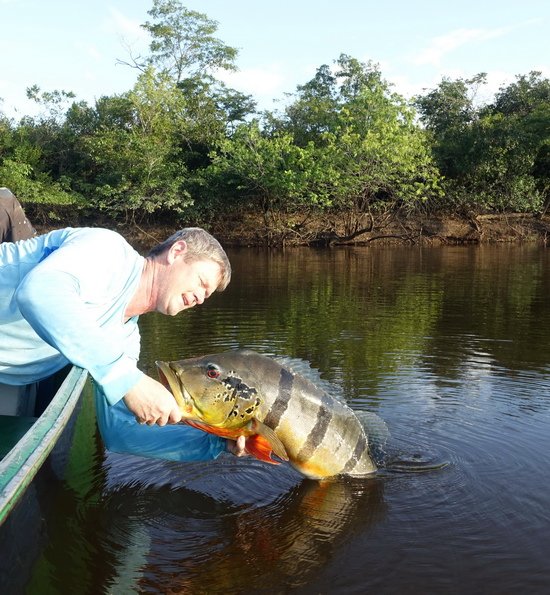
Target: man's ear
177,250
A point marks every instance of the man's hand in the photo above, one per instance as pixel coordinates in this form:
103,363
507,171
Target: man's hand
237,447
152,403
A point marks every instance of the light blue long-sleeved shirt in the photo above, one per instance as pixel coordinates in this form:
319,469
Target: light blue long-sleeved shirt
63,297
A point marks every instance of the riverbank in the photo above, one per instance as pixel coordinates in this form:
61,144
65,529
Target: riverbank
277,230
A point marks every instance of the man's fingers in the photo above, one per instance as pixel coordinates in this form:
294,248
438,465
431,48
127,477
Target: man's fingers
159,415
164,419
175,416
237,447
241,445
151,403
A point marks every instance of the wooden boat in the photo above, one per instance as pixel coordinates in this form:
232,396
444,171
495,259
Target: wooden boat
25,442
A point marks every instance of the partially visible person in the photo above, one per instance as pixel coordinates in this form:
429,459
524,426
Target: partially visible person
75,295
14,225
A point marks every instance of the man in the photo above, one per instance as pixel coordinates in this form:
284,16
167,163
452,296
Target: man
14,225
74,296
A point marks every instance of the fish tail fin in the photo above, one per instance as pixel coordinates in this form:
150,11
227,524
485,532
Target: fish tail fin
260,448
377,433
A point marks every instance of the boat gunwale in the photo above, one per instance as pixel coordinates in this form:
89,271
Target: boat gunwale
22,462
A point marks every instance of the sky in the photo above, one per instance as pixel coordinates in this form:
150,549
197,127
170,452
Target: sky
76,46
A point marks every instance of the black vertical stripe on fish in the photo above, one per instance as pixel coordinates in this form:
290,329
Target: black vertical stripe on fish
280,404
318,432
360,447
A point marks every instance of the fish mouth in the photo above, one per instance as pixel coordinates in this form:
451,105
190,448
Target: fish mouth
170,380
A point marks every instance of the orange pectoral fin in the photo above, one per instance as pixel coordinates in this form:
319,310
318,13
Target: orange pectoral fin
222,432
260,448
258,445
256,427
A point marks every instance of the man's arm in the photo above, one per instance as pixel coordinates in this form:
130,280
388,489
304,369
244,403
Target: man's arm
178,442
50,302
74,300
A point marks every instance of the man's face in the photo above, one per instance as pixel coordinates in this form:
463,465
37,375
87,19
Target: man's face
184,284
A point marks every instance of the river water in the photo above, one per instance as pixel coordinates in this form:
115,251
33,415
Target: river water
449,346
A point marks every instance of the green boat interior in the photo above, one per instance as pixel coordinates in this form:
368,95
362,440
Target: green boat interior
12,429
21,406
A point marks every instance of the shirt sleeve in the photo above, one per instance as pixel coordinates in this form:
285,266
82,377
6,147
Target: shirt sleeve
50,299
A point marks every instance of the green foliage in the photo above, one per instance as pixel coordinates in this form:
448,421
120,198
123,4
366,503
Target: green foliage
491,156
450,106
54,103
135,160
18,176
524,96
27,150
346,143
266,171
448,113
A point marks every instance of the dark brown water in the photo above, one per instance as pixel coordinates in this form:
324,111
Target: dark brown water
449,346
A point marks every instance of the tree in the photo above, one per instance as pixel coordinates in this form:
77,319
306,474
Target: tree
314,110
448,113
524,96
184,43
6,135
365,137
34,155
346,146
149,145
526,106
451,105
492,156
269,171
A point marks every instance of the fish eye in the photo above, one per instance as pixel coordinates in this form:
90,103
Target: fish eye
212,371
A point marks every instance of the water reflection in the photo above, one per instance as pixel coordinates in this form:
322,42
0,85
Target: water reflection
197,544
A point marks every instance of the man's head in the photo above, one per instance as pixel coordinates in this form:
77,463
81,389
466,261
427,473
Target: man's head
190,265
200,246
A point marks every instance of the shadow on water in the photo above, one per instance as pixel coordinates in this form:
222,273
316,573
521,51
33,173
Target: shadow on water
182,540
235,525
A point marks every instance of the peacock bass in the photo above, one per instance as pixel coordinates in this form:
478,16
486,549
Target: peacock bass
242,392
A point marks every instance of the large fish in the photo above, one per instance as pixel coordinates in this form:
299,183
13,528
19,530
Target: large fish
245,393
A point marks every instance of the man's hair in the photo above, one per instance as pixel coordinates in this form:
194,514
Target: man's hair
200,246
